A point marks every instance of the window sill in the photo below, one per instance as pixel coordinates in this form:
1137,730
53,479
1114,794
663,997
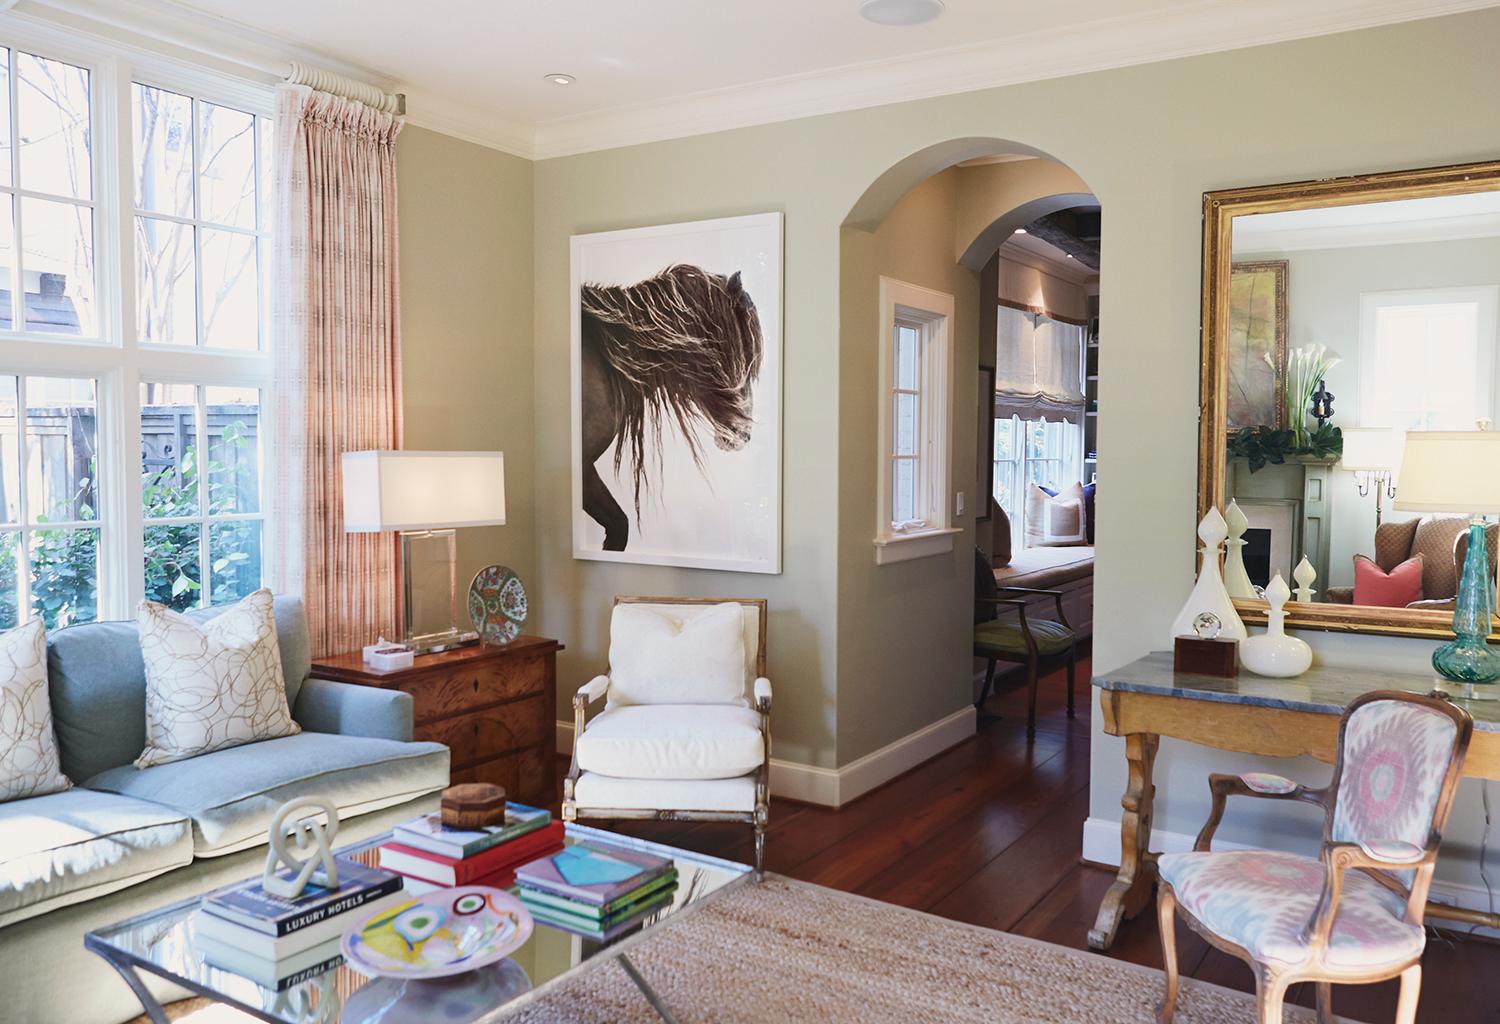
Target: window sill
903,547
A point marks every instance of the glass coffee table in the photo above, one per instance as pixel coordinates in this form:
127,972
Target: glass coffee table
160,942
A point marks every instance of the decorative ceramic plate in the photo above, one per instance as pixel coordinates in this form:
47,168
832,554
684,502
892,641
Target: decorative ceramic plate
497,604
439,934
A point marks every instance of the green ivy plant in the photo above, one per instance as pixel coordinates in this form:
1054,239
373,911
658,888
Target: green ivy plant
1264,446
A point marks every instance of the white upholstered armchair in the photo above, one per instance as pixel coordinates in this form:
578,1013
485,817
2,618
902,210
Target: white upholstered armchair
685,734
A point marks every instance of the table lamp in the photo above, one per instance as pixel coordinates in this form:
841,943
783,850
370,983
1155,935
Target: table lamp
1455,471
1372,454
425,496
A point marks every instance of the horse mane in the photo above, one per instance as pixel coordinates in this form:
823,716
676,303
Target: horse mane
683,347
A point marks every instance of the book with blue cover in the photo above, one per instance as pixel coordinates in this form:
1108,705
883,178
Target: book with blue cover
249,905
605,929
592,873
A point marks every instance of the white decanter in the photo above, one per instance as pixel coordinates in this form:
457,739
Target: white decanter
1208,593
1236,579
1273,653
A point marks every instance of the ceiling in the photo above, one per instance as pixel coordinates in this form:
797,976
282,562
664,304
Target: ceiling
663,68
1433,219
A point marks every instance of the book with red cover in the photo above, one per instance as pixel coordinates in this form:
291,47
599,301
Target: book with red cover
432,867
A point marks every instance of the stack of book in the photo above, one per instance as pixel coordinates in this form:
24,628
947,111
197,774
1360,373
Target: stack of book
278,942
595,890
432,855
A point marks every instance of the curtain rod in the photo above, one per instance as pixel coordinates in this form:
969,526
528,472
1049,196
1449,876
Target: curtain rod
348,88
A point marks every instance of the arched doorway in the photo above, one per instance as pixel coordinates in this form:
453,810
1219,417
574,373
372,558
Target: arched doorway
938,220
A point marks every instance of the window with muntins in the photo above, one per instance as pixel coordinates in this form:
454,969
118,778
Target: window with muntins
135,372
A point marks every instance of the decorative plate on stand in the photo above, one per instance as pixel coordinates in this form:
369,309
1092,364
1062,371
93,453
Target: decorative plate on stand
497,604
439,934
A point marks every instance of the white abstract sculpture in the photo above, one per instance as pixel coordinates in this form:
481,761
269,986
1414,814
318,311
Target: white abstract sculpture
1305,574
1273,653
1208,593
310,837
1236,579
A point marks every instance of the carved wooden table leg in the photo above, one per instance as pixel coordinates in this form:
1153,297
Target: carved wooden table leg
1131,890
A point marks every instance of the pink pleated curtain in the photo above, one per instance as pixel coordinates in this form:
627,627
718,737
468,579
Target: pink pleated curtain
337,358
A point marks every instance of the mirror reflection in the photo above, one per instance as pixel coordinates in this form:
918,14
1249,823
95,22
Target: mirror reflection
1350,326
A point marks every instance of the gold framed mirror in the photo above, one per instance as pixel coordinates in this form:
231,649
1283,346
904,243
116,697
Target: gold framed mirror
1395,275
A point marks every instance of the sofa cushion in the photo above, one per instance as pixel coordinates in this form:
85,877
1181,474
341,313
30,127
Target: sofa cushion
28,746
231,794
686,741
98,685
214,684
659,654
72,846
605,793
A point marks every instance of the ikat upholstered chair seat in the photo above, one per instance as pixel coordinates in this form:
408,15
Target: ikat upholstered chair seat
685,733
1354,914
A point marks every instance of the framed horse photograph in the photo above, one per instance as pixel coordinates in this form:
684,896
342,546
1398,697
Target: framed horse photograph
677,394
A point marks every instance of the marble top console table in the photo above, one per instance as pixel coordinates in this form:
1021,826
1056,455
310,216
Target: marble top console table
1146,700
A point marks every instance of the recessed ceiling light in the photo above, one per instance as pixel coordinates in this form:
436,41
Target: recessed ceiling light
1068,255
560,79
900,12
1020,231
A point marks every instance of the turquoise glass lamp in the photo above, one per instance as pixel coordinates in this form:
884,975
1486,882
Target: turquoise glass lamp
1459,471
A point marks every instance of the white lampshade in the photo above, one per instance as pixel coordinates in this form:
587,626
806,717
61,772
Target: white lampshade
1370,449
1450,471
422,490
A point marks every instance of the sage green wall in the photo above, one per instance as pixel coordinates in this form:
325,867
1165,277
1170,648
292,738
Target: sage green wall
1149,141
466,325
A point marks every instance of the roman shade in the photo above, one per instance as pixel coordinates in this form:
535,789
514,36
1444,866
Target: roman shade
1038,367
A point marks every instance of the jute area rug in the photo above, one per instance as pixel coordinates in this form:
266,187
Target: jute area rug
784,950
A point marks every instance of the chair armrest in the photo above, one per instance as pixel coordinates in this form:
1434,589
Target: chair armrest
591,691
1340,857
353,710
1263,785
1392,851
763,694
1056,595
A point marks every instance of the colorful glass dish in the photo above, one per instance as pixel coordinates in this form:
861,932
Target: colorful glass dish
497,604
439,934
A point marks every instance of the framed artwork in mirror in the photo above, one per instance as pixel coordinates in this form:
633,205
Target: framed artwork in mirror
1257,344
1396,306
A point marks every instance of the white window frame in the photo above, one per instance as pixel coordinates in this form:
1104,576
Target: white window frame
115,359
1486,297
931,312
1018,469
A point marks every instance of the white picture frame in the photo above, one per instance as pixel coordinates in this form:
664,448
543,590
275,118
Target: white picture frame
712,502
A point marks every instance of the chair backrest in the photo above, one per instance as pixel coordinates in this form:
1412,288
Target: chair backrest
1398,767
753,624
985,588
1436,540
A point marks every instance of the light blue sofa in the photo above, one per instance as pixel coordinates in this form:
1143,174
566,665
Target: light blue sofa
125,840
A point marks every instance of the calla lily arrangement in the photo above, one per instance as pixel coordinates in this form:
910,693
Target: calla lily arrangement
1305,367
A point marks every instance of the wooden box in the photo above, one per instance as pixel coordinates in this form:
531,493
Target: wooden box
1217,657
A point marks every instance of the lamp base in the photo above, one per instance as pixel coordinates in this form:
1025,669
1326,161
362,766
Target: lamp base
1465,661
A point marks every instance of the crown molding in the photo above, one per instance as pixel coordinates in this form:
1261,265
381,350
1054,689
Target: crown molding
1349,236
1191,29
1013,251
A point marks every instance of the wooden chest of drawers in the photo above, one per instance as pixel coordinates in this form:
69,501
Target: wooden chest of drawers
495,708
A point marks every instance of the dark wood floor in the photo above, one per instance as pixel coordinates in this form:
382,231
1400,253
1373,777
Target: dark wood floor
990,833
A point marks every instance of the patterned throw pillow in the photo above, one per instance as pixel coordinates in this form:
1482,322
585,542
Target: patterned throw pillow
1055,519
213,684
28,748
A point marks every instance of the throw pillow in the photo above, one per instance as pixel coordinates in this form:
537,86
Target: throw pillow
29,763
1055,518
214,684
1380,589
660,654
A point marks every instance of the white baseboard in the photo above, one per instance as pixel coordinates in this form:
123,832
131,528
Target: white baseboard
832,787
1101,845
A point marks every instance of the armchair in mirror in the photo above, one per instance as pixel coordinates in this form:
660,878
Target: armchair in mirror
1338,316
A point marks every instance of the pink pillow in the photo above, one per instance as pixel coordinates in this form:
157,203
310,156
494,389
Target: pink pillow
1395,589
